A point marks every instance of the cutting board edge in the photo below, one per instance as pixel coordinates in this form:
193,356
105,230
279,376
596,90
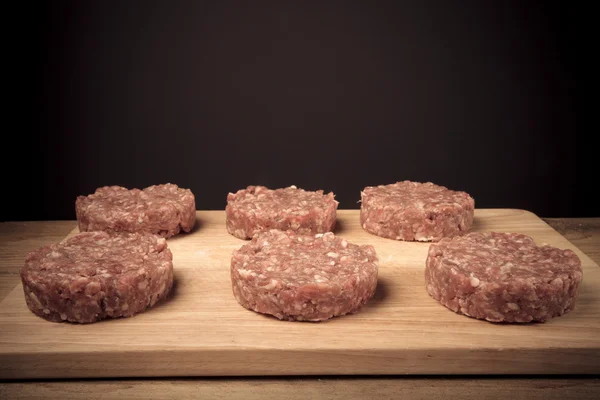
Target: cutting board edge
295,362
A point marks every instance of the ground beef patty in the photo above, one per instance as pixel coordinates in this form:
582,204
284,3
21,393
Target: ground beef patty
258,208
97,275
161,209
303,277
415,211
503,277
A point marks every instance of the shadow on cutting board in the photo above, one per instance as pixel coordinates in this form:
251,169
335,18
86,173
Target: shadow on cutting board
183,235
381,293
478,224
172,296
339,227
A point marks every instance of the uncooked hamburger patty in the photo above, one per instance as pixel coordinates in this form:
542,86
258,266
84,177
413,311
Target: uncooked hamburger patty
161,209
258,208
303,277
97,275
415,211
503,277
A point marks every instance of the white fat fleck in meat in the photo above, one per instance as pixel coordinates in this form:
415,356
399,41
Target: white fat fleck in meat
425,239
506,268
244,273
35,299
271,285
328,236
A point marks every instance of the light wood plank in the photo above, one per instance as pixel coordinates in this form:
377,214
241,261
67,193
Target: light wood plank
202,330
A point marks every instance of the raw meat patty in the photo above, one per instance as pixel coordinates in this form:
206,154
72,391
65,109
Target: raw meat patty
503,277
415,211
258,208
161,209
97,275
303,277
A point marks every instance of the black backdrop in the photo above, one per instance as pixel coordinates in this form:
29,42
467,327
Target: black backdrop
478,96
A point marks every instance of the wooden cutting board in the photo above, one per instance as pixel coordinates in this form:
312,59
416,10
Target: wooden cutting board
202,330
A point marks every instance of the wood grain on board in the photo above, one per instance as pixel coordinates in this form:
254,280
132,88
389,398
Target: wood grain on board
202,331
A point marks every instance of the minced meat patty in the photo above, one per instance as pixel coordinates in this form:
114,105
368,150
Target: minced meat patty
164,210
303,277
258,208
415,211
96,275
503,277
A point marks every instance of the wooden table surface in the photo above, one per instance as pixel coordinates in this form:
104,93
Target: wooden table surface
18,238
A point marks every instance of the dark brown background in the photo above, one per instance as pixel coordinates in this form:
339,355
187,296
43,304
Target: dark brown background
478,96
